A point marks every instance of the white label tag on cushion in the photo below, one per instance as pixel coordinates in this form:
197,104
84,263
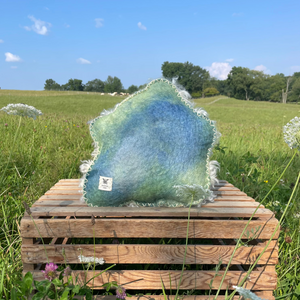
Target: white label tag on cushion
105,183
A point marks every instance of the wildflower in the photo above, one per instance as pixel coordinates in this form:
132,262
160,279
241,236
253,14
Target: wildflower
288,239
227,173
73,124
22,110
266,181
67,271
291,133
276,203
6,124
91,259
46,126
297,216
50,271
120,292
246,293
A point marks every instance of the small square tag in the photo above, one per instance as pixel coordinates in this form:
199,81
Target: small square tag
105,183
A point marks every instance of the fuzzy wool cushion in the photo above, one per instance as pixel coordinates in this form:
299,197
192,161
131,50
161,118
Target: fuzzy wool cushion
152,149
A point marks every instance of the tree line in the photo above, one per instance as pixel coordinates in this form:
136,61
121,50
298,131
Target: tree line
110,85
241,83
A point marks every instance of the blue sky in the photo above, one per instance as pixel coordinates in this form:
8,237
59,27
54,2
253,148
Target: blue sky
131,39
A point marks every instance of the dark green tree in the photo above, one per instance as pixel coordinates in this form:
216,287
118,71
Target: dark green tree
192,78
113,84
73,85
95,85
132,89
51,85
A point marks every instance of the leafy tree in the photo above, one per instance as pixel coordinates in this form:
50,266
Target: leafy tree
241,80
211,91
191,77
113,84
73,85
295,92
132,89
95,85
51,85
142,86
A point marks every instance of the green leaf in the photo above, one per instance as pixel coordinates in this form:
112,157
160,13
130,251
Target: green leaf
13,294
38,296
28,279
297,290
65,294
76,289
57,282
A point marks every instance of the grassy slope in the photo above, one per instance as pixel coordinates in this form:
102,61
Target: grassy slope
52,147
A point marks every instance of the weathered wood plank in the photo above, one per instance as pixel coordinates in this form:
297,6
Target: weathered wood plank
150,254
150,211
76,187
218,198
79,192
151,280
231,204
159,228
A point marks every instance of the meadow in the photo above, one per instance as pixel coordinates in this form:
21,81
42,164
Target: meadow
35,154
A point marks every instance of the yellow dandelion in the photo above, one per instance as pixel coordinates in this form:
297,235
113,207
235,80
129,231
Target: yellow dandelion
45,126
73,124
266,181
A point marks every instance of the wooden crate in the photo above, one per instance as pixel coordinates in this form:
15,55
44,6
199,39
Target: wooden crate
60,216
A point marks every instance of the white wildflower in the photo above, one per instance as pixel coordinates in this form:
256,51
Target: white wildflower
22,110
297,216
246,293
291,133
276,203
91,259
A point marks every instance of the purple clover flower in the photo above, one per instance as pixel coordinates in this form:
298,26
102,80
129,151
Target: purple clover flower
6,124
120,293
67,271
50,271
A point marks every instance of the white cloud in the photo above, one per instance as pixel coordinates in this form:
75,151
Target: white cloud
11,57
237,14
1,41
83,61
219,70
39,26
141,26
263,69
14,67
295,69
229,59
99,22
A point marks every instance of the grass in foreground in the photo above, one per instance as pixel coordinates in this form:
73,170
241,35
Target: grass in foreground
252,154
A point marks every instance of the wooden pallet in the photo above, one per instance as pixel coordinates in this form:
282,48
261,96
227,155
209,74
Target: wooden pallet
59,216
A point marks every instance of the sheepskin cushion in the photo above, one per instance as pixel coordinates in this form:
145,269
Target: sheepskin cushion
152,149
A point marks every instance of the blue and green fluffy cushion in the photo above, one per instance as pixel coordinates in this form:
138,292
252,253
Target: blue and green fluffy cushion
154,148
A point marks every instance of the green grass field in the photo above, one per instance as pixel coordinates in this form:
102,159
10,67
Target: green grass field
35,154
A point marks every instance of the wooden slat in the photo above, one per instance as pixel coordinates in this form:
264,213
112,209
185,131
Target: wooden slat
231,204
76,187
150,254
133,228
79,192
150,211
218,198
151,280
